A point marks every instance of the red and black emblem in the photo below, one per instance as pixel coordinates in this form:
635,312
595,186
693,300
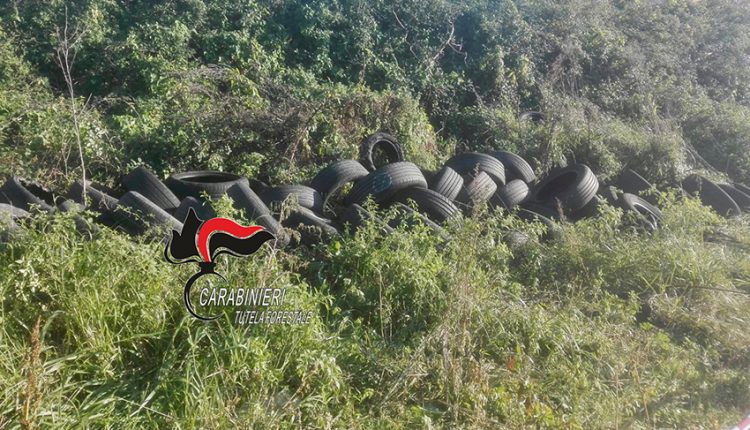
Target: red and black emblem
202,241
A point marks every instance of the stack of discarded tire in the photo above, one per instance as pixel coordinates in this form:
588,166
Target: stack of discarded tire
334,200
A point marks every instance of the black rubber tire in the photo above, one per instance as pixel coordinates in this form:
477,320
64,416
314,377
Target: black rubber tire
515,166
9,230
135,213
589,211
631,182
533,116
384,142
98,200
553,229
83,226
742,187
13,211
546,209
429,175
512,194
648,214
574,186
409,217
202,209
306,197
469,163
145,183
434,205
476,190
274,226
739,197
246,200
447,182
332,178
198,182
26,195
355,216
386,181
42,192
257,185
609,194
312,227
711,195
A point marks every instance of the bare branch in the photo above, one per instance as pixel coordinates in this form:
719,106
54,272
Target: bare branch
65,56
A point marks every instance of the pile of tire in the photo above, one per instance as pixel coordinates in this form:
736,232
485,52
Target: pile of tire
334,200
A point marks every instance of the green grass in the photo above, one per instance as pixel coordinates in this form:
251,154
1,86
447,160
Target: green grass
603,328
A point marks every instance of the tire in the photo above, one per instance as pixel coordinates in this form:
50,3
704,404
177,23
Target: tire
589,211
274,226
533,116
742,199
13,212
336,175
447,182
744,188
512,194
609,194
553,230
145,183
429,175
246,200
257,185
198,182
383,142
9,230
354,216
469,163
546,210
711,195
515,167
312,227
631,182
134,213
306,197
83,226
202,209
476,190
98,200
408,217
26,195
648,214
386,181
434,205
574,186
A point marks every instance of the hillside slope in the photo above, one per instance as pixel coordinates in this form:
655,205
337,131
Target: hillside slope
603,328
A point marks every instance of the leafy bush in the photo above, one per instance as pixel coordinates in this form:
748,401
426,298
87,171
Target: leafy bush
603,327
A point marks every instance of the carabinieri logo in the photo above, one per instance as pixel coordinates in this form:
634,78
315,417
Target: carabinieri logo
202,241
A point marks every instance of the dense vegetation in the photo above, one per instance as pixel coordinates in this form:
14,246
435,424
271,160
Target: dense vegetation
602,329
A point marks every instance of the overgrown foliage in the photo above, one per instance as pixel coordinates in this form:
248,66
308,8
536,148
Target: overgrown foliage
274,88
603,328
